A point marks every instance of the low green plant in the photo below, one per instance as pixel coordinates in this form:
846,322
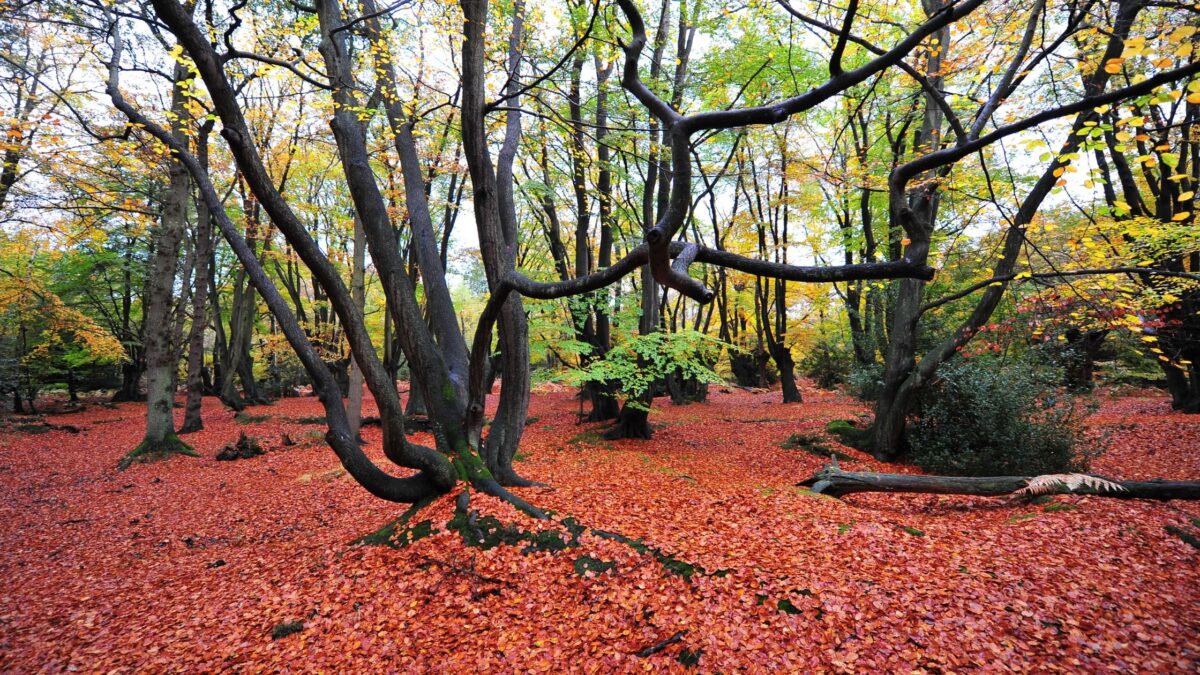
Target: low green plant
865,382
985,417
636,364
828,364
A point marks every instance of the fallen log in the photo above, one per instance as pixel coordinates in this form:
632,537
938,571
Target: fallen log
834,482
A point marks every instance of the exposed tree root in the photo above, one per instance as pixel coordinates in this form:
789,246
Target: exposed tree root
656,648
510,478
152,451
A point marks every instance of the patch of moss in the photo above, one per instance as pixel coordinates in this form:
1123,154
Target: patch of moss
1059,506
589,438
487,532
387,535
586,563
813,445
859,439
805,492
912,530
247,418
286,628
153,451
1184,536
787,607
689,658
667,560
313,419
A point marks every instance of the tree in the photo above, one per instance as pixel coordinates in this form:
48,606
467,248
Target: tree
455,405
161,356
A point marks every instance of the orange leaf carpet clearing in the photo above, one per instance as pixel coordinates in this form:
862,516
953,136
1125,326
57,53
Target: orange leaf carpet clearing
191,564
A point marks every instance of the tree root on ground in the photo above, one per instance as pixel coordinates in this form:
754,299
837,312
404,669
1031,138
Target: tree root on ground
152,451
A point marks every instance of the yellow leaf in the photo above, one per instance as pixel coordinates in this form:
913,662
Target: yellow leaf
1182,215
1182,33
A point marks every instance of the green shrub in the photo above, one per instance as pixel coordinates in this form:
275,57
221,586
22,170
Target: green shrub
636,364
866,382
987,418
827,364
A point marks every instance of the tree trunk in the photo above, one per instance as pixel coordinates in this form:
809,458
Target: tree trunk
899,385
1082,349
633,421
131,377
496,220
358,293
192,420
837,483
161,357
787,373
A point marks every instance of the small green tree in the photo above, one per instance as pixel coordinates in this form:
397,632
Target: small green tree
637,365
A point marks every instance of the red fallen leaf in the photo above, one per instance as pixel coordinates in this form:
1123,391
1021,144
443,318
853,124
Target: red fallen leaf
1082,590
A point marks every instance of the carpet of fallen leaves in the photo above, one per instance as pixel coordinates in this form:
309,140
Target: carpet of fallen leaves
191,564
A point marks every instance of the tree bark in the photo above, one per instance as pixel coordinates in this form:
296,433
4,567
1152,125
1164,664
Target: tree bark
903,376
358,293
837,483
160,353
192,419
495,217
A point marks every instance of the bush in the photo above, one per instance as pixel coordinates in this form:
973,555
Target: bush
984,418
866,382
639,363
827,364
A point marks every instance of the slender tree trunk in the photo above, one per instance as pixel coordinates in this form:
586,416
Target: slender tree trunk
192,419
358,292
161,357
495,216
896,397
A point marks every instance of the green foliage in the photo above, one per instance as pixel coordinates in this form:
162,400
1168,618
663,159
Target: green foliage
866,382
849,434
586,563
813,445
827,363
636,364
985,417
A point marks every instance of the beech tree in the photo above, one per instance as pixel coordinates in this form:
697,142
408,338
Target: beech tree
357,74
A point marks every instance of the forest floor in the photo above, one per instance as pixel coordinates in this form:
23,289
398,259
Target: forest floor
193,564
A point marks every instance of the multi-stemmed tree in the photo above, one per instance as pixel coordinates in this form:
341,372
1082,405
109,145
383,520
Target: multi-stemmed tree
356,73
